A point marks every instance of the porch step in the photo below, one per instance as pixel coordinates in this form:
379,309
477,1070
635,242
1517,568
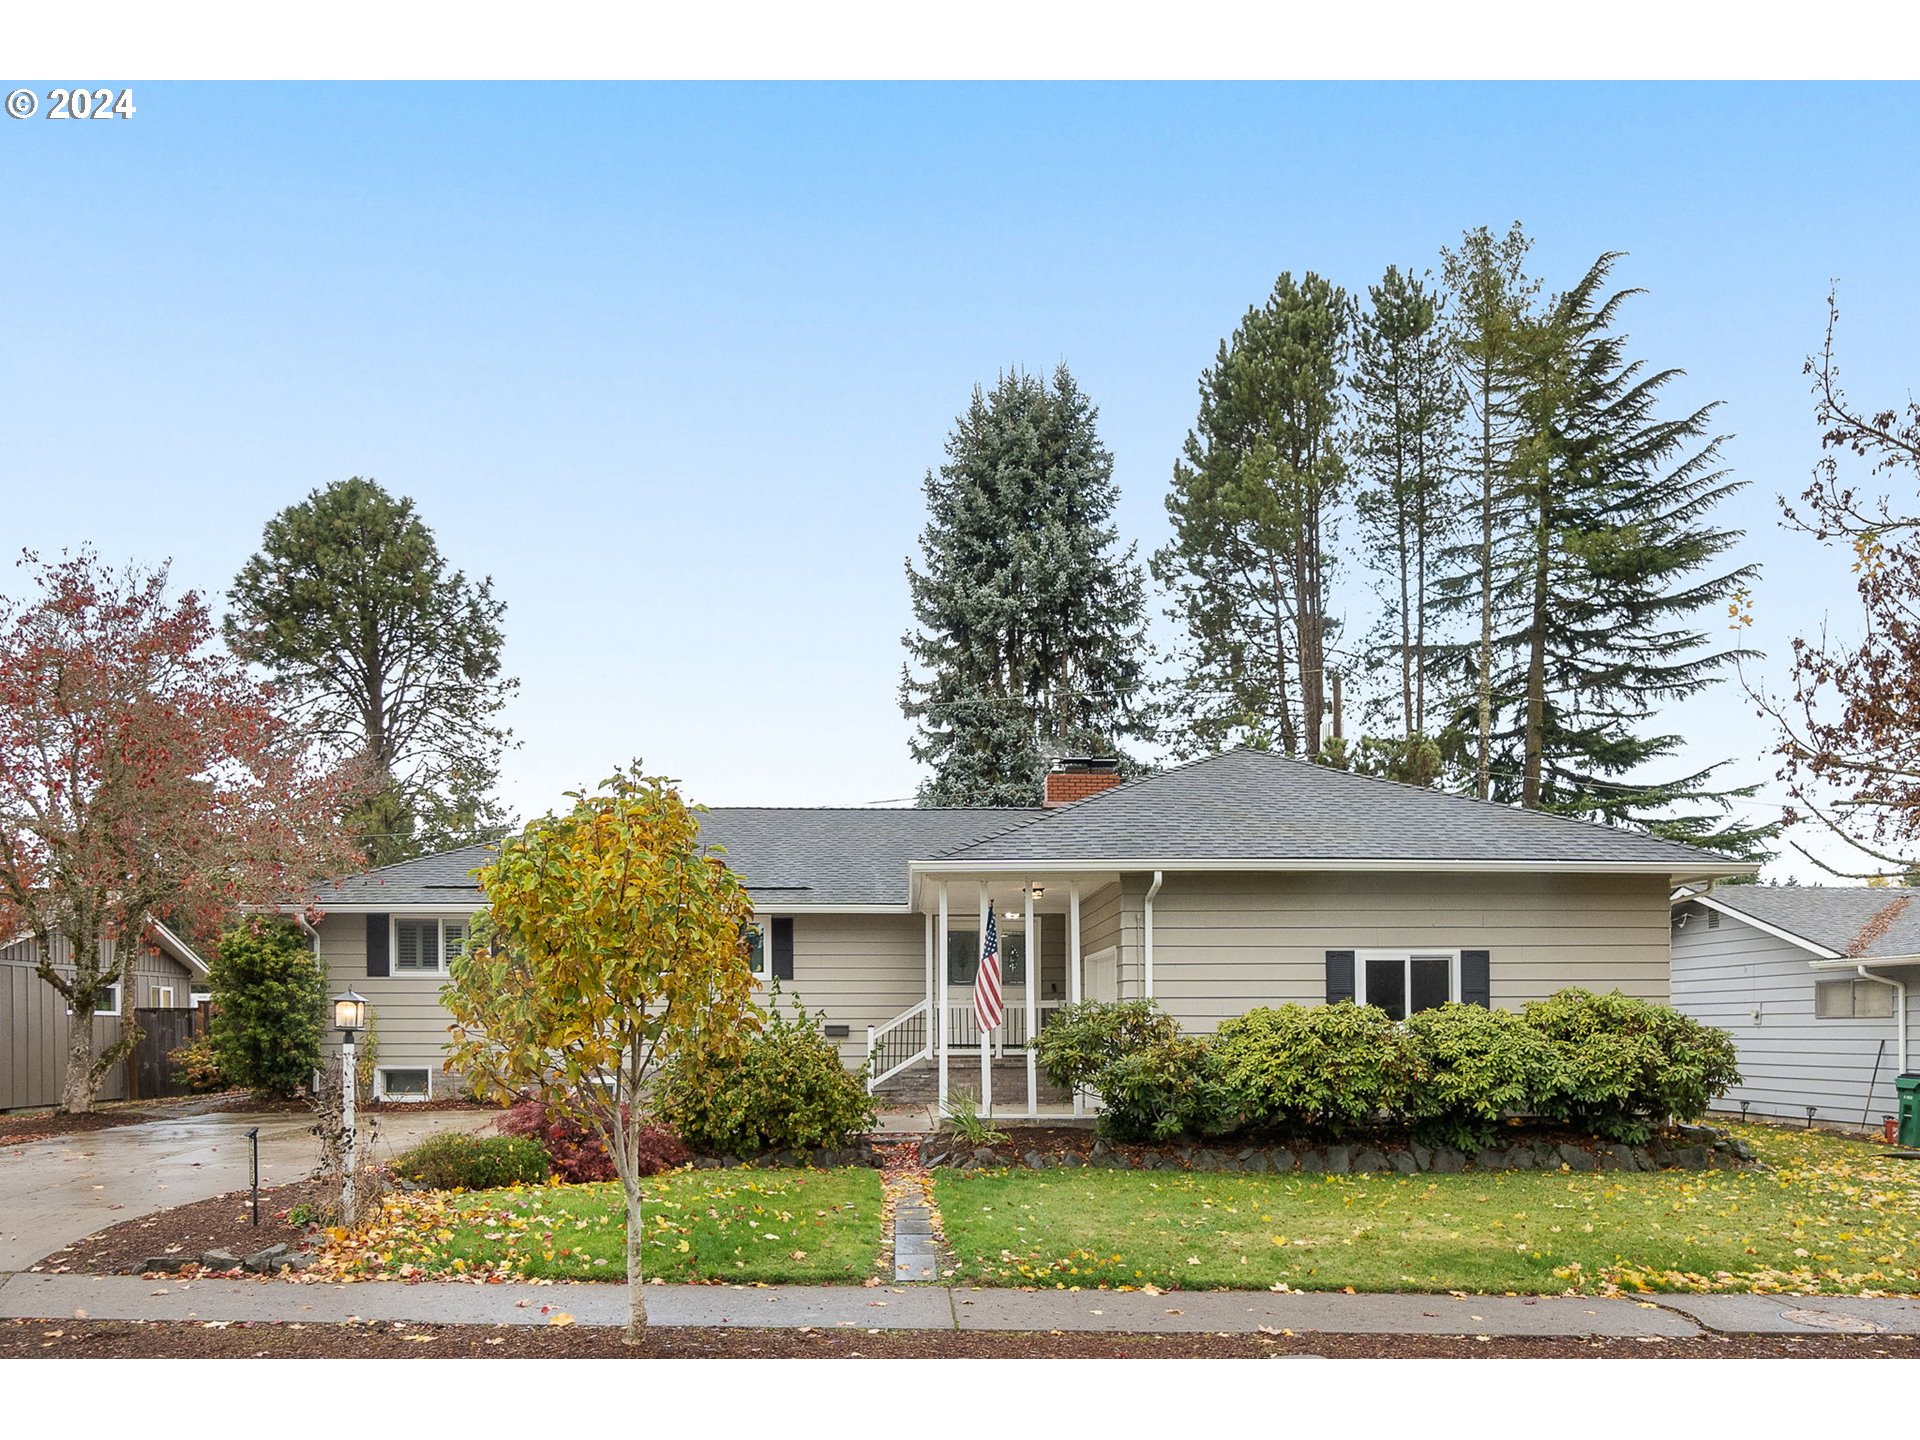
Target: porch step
919,1084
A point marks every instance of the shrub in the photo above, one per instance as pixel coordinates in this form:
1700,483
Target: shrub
1326,1069
195,1066
576,1152
787,1090
1622,1066
473,1162
1164,1090
962,1116
269,1001
1082,1040
1471,1066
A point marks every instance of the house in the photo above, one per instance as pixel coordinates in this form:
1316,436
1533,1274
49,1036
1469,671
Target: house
1243,879
1811,982
166,973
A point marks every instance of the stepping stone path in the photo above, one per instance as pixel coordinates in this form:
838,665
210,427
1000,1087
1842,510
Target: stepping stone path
912,1220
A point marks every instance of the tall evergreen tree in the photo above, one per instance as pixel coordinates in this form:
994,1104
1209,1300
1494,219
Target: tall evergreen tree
1253,504
1029,621
1602,577
1493,298
392,660
1407,406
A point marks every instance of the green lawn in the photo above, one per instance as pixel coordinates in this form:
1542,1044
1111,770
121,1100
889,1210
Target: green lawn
777,1226
1832,1215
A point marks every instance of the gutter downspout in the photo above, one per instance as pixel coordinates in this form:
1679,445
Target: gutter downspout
1899,1008
1152,891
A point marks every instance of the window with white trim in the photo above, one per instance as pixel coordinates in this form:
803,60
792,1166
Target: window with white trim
1402,982
403,1084
108,1002
757,949
1852,1000
423,947
163,996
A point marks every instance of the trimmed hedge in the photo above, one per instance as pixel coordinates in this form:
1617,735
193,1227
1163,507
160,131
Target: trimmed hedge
786,1091
1607,1065
1621,1065
473,1162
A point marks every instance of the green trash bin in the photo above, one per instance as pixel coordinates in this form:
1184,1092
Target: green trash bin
1909,1087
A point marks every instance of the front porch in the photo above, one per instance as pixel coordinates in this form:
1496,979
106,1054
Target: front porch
933,1051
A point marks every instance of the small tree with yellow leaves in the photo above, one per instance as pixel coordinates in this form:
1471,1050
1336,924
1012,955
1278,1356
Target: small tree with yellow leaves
614,942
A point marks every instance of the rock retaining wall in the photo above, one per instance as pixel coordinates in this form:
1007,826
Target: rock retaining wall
1693,1147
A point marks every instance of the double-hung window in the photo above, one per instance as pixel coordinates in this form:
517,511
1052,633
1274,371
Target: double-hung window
1401,982
423,947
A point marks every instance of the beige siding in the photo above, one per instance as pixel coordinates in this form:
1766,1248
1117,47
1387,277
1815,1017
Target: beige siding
1225,943
410,1023
860,969
1100,920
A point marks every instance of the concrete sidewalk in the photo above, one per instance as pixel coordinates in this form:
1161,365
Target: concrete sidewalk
117,1297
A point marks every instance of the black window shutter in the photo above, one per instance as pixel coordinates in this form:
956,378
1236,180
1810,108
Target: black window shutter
378,960
1476,980
1339,976
783,947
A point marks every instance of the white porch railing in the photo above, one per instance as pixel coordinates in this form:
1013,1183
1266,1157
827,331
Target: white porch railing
902,1041
964,1036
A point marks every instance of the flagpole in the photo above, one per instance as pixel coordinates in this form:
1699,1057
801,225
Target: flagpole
986,1048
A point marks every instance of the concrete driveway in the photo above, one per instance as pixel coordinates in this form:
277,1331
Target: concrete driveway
54,1192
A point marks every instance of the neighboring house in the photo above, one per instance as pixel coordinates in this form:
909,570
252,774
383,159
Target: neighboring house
1243,879
1811,981
34,1016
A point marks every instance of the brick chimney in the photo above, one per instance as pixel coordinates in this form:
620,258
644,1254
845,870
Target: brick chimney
1075,777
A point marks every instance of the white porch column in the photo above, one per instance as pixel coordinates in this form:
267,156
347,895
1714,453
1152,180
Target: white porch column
1073,971
940,1016
986,1040
1033,979
930,1000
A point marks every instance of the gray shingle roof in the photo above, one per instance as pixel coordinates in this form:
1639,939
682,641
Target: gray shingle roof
805,857
1853,920
1256,805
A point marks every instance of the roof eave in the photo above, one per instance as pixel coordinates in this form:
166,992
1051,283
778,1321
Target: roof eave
1677,871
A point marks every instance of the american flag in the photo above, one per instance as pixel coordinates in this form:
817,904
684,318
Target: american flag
986,984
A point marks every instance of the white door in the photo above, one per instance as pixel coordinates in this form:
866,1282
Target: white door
1103,975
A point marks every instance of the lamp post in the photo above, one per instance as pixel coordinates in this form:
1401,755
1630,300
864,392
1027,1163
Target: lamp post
350,1018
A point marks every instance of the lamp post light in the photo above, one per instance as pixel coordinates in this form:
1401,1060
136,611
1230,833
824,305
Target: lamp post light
350,1018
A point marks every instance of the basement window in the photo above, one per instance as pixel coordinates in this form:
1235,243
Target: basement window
403,1084
1852,1000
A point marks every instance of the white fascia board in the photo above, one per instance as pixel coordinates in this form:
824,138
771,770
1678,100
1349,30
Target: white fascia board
1853,962
181,951
1812,948
395,907
1675,873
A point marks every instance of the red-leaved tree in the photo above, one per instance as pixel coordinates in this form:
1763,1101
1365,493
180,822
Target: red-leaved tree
1850,727
143,774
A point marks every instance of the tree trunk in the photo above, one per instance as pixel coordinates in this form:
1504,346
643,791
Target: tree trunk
1484,700
76,1093
1537,655
636,1280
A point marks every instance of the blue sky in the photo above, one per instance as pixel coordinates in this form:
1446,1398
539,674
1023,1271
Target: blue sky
669,361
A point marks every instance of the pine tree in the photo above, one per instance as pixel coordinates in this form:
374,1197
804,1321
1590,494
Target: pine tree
1407,408
1253,505
1029,623
1493,297
1599,578
392,660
